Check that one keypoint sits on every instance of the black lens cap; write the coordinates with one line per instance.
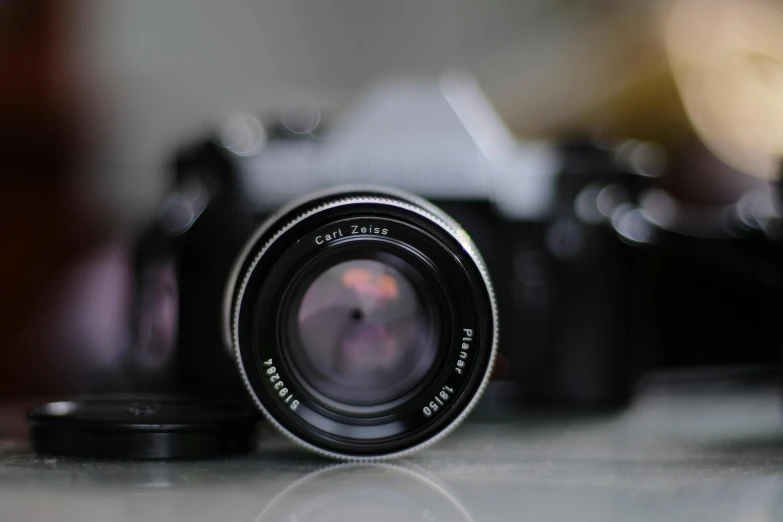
(142, 429)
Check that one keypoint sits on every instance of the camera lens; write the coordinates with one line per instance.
(363, 335)
(362, 321)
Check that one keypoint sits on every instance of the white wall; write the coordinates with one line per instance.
(159, 71)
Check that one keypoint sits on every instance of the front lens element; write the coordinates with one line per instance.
(364, 337)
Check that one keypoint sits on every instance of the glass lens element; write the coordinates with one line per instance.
(365, 337)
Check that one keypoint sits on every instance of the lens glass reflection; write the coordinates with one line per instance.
(364, 335)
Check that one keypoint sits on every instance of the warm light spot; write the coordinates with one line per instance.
(369, 283)
(727, 59)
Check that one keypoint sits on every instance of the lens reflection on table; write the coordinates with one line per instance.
(373, 492)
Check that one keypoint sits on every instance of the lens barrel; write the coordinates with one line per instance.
(363, 322)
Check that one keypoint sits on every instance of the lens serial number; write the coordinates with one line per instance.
(277, 385)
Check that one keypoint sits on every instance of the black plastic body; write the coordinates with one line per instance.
(557, 354)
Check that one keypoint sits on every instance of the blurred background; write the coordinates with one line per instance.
(678, 104)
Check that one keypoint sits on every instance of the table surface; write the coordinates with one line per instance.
(706, 454)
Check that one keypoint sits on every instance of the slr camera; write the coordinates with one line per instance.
(362, 319)
(537, 212)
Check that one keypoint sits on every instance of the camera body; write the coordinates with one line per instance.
(310, 273)
(599, 275)
(539, 213)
